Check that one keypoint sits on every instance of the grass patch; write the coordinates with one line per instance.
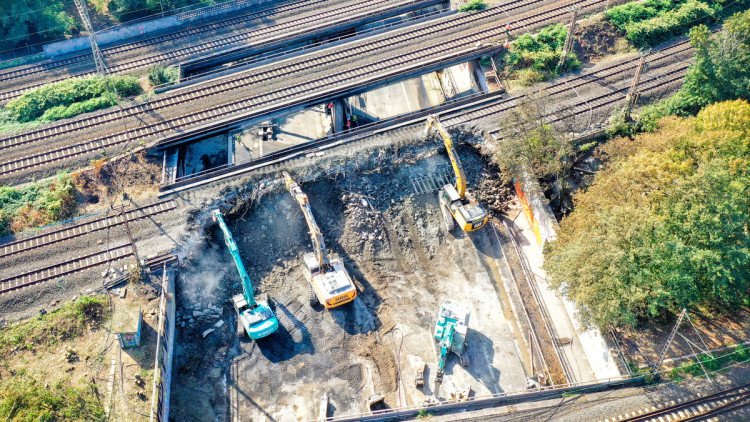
(36, 205)
(10, 124)
(534, 58)
(160, 74)
(738, 354)
(655, 21)
(67, 322)
(67, 98)
(23, 398)
(473, 6)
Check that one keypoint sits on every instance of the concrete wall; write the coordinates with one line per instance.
(125, 31)
(537, 210)
(164, 349)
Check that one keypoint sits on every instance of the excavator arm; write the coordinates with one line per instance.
(247, 286)
(434, 121)
(319, 244)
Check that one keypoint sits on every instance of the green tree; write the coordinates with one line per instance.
(531, 146)
(32, 21)
(665, 225)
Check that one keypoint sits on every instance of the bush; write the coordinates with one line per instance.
(35, 205)
(670, 24)
(34, 103)
(160, 74)
(625, 14)
(535, 58)
(473, 6)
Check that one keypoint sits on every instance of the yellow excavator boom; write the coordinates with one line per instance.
(319, 244)
(434, 121)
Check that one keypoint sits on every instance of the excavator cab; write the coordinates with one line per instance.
(469, 215)
(258, 321)
(330, 286)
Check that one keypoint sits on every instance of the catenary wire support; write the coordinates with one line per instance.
(663, 353)
(632, 96)
(101, 68)
(569, 39)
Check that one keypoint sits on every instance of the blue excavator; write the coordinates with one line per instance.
(450, 336)
(254, 317)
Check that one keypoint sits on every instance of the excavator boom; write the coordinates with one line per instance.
(256, 318)
(319, 244)
(247, 286)
(434, 121)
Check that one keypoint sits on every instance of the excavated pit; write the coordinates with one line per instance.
(386, 225)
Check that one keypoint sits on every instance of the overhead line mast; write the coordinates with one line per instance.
(101, 68)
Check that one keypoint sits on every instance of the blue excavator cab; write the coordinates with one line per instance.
(254, 317)
(450, 335)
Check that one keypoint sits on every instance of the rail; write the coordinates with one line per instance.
(549, 326)
(493, 400)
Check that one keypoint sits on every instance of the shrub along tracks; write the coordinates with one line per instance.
(264, 90)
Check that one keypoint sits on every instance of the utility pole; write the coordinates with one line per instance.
(632, 96)
(568, 39)
(98, 58)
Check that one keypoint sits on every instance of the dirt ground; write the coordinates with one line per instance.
(405, 264)
(641, 345)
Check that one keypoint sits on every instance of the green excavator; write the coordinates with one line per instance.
(450, 336)
(254, 317)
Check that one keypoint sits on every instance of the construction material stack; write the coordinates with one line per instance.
(253, 317)
(457, 205)
(450, 336)
(329, 282)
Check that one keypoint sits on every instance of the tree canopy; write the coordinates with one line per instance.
(664, 225)
(32, 21)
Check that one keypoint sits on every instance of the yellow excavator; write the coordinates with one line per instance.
(457, 205)
(329, 282)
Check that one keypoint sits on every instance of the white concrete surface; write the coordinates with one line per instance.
(299, 127)
(587, 353)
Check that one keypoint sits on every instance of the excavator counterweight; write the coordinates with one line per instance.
(253, 317)
(329, 282)
(458, 205)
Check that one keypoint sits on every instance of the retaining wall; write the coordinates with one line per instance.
(164, 349)
(125, 31)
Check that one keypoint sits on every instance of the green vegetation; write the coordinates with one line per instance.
(670, 24)
(36, 205)
(665, 225)
(718, 74)
(535, 58)
(70, 97)
(32, 21)
(126, 10)
(22, 398)
(473, 6)
(67, 322)
(739, 354)
(655, 21)
(160, 74)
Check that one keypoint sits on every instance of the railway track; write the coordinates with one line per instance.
(319, 89)
(259, 39)
(61, 269)
(262, 75)
(462, 114)
(697, 409)
(84, 228)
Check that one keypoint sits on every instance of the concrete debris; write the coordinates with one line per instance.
(219, 324)
(207, 332)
